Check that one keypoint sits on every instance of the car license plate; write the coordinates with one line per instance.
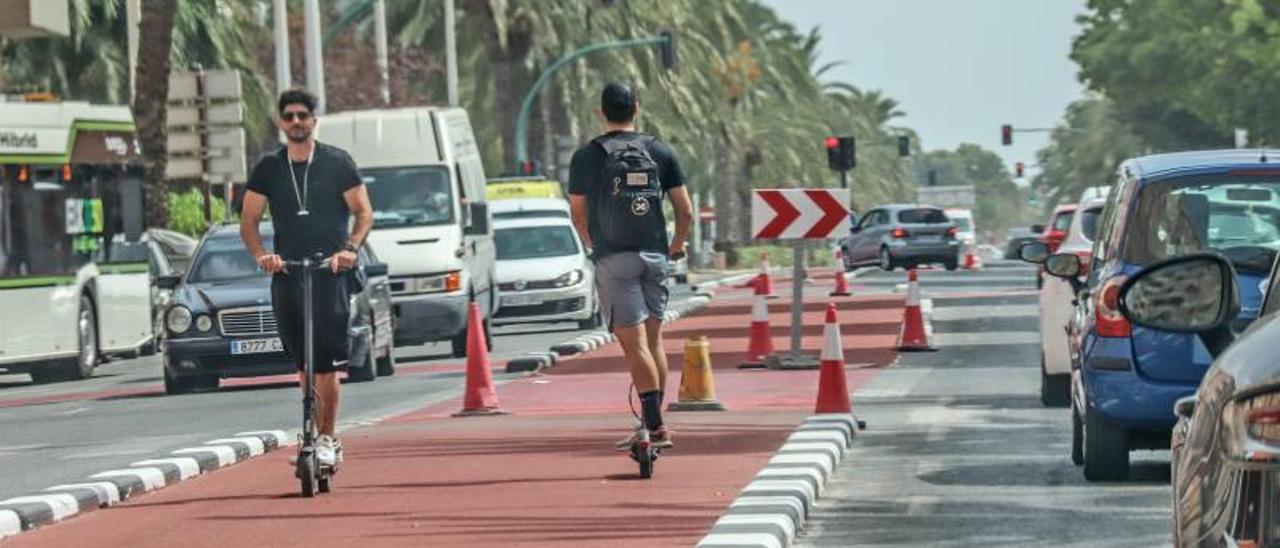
(256, 346)
(521, 300)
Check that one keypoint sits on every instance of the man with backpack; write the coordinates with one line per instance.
(616, 185)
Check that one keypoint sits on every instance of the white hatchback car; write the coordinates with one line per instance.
(1057, 302)
(965, 231)
(543, 273)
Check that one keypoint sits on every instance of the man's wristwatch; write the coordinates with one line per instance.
(349, 247)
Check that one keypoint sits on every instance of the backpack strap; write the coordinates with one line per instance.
(611, 143)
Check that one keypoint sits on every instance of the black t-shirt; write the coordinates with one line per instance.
(587, 174)
(325, 228)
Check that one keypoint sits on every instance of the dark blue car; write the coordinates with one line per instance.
(1125, 378)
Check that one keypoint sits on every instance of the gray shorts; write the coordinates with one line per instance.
(632, 287)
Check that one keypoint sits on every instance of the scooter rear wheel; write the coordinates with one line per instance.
(645, 458)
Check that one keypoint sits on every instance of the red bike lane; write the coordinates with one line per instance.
(544, 475)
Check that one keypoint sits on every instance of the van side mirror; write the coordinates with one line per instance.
(1063, 265)
(1189, 294)
(478, 221)
(1037, 229)
(376, 269)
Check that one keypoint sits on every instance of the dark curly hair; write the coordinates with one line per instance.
(296, 96)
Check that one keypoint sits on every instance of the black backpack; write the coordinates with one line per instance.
(629, 210)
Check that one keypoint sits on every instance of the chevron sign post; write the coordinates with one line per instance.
(798, 215)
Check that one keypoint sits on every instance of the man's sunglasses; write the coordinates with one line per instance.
(300, 116)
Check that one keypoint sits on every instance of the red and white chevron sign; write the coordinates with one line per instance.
(795, 214)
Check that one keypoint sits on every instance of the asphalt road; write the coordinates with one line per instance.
(63, 432)
(958, 450)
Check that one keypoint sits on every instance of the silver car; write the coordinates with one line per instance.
(902, 235)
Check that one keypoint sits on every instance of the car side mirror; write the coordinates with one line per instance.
(1033, 252)
(1189, 294)
(376, 269)
(1063, 265)
(1185, 406)
(1037, 229)
(168, 282)
(478, 223)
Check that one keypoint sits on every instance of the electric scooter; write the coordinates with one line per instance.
(312, 475)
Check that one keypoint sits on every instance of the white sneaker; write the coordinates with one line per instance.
(325, 453)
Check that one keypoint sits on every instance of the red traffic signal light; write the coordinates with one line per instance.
(1006, 134)
(842, 153)
(1018, 169)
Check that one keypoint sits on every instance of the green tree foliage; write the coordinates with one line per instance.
(747, 107)
(999, 204)
(1184, 73)
(92, 63)
(1084, 152)
(186, 212)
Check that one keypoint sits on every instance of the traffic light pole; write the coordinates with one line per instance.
(526, 107)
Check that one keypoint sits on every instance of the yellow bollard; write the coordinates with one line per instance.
(697, 390)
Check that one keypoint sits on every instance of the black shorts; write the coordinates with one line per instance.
(331, 300)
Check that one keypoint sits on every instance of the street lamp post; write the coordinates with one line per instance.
(521, 136)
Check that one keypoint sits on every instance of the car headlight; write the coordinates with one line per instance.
(204, 322)
(573, 277)
(178, 320)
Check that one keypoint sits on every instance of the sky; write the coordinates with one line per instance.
(958, 68)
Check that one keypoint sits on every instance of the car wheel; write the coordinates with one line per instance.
(1077, 438)
(459, 344)
(208, 383)
(174, 385)
(846, 259)
(82, 366)
(886, 260)
(951, 264)
(1055, 390)
(387, 363)
(1106, 449)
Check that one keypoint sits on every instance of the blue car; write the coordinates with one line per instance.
(1126, 378)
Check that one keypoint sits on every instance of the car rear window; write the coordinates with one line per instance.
(1236, 216)
(1063, 221)
(922, 215)
(1089, 222)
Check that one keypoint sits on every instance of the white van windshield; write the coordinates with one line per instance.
(410, 196)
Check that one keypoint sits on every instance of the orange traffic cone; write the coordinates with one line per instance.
(842, 284)
(761, 344)
(763, 280)
(479, 398)
(913, 336)
(971, 261)
(833, 388)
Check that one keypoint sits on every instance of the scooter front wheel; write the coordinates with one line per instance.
(307, 475)
(644, 456)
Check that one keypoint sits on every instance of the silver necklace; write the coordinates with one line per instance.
(306, 176)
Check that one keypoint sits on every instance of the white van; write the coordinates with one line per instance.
(431, 220)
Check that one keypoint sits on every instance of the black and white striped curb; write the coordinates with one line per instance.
(533, 361)
(772, 509)
(112, 486)
(596, 339)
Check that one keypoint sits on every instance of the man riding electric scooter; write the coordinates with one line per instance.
(313, 190)
(616, 186)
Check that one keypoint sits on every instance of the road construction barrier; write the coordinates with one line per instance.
(913, 336)
(697, 387)
(760, 346)
(479, 398)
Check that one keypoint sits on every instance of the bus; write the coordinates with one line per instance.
(74, 289)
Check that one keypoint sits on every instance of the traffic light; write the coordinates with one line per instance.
(1006, 134)
(667, 50)
(842, 154)
(904, 146)
(1018, 169)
